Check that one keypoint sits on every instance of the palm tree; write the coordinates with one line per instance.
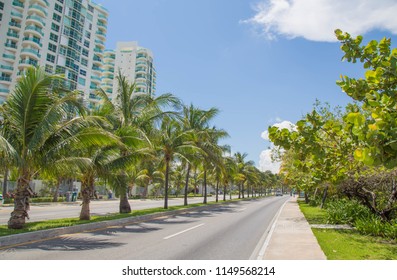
(195, 122)
(35, 126)
(242, 171)
(133, 115)
(171, 142)
(213, 152)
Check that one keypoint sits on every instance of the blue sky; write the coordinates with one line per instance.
(260, 62)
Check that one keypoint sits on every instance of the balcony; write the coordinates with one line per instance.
(13, 35)
(96, 68)
(32, 41)
(27, 62)
(6, 68)
(34, 8)
(14, 25)
(102, 26)
(140, 84)
(16, 14)
(141, 63)
(35, 19)
(34, 53)
(103, 18)
(11, 46)
(18, 4)
(43, 3)
(99, 42)
(98, 51)
(9, 57)
(95, 78)
(4, 90)
(5, 80)
(140, 70)
(101, 35)
(34, 30)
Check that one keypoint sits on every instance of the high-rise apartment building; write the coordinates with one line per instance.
(134, 62)
(64, 36)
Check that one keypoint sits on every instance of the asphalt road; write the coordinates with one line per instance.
(48, 211)
(232, 231)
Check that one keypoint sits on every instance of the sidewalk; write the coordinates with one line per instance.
(291, 237)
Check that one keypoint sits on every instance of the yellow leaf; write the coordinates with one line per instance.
(373, 127)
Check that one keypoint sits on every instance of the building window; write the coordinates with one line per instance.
(55, 27)
(1, 5)
(82, 81)
(86, 43)
(85, 52)
(50, 58)
(84, 61)
(83, 72)
(49, 68)
(60, 1)
(1, 17)
(62, 50)
(54, 37)
(56, 17)
(58, 8)
(91, 8)
(52, 47)
(88, 34)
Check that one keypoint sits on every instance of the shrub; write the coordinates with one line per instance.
(344, 211)
(374, 226)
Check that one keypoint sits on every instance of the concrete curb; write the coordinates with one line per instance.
(21, 238)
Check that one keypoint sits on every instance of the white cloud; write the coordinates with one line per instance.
(265, 158)
(316, 20)
(266, 163)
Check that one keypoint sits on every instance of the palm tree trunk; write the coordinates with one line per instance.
(224, 192)
(242, 190)
(5, 189)
(21, 202)
(56, 193)
(124, 205)
(187, 184)
(248, 191)
(87, 185)
(167, 170)
(217, 190)
(205, 186)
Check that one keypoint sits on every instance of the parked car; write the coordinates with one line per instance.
(279, 193)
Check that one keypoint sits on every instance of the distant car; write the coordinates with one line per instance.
(279, 193)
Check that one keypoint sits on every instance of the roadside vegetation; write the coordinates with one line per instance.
(352, 244)
(344, 159)
(156, 145)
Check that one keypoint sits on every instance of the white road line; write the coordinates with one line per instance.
(241, 209)
(183, 231)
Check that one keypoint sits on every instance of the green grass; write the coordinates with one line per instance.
(347, 244)
(51, 224)
(351, 245)
(314, 215)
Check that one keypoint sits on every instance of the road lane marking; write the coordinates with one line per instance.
(241, 209)
(183, 231)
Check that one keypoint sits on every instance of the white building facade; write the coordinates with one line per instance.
(132, 61)
(64, 36)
